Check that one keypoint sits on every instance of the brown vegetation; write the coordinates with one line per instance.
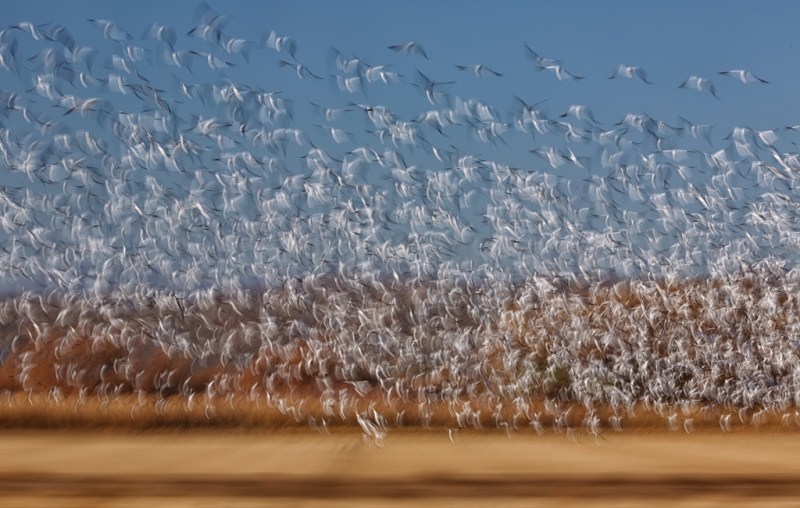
(326, 352)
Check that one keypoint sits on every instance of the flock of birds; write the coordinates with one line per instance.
(167, 230)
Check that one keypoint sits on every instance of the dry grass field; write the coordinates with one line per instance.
(294, 467)
(619, 394)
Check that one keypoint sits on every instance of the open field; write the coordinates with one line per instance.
(151, 402)
(300, 468)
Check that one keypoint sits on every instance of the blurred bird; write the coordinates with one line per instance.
(302, 70)
(744, 76)
(111, 30)
(279, 43)
(479, 70)
(409, 48)
(700, 84)
(624, 71)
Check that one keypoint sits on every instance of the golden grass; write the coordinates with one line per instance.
(126, 412)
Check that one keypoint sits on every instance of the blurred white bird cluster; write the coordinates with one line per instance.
(169, 231)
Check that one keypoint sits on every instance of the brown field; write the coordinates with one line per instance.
(169, 401)
(644, 350)
(297, 467)
(127, 413)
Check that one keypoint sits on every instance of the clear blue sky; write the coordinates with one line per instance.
(671, 41)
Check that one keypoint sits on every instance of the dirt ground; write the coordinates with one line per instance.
(415, 468)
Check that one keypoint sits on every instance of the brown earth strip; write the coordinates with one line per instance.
(300, 467)
(408, 488)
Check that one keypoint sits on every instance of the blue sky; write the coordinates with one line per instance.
(670, 41)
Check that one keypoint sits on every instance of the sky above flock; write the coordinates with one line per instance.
(671, 41)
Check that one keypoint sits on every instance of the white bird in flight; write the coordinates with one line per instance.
(280, 43)
(302, 70)
(478, 70)
(700, 84)
(409, 48)
(744, 76)
(630, 72)
(560, 72)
